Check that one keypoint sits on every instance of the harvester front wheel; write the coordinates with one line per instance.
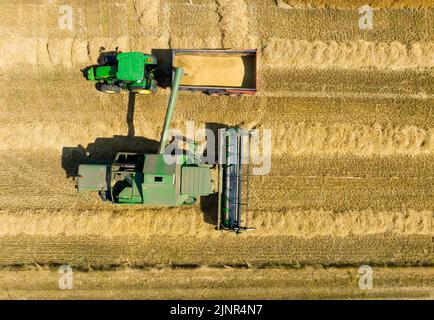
(108, 88)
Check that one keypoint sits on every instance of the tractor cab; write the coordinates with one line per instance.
(132, 71)
(132, 66)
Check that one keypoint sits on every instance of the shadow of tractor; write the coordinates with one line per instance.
(163, 73)
(103, 150)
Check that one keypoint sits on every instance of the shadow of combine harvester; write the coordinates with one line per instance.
(103, 150)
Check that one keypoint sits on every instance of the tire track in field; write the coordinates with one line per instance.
(227, 250)
(217, 283)
(288, 53)
(234, 23)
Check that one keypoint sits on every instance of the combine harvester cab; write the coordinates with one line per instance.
(218, 72)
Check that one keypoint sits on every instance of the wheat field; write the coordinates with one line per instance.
(351, 115)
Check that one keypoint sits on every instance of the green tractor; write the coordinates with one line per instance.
(132, 71)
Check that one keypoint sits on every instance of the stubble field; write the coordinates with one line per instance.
(351, 115)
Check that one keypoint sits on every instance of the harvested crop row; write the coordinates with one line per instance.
(227, 249)
(298, 126)
(357, 54)
(309, 196)
(227, 283)
(234, 22)
(343, 4)
(142, 26)
(290, 139)
(141, 223)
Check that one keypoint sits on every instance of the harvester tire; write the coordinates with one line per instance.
(108, 88)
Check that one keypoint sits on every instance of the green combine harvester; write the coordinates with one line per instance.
(136, 178)
(132, 71)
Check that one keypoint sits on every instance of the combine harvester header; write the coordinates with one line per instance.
(234, 171)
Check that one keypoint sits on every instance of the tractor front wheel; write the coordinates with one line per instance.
(108, 88)
(141, 91)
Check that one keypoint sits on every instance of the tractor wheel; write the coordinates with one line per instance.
(108, 88)
(141, 91)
